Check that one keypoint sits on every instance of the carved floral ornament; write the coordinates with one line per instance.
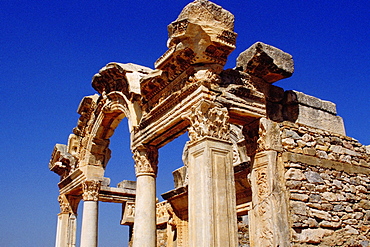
(91, 190)
(64, 204)
(146, 160)
(208, 120)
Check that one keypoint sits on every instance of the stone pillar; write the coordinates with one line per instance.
(212, 205)
(269, 224)
(66, 228)
(89, 230)
(146, 161)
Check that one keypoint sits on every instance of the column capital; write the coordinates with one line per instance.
(146, 160)
(90, 189)
(65, 207)
(208, 119)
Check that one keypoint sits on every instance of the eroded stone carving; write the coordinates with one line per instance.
(208, 119)
(62, 162)
(91, 190)
(277, 139)
(266, 62)
(203, 22)
(179, 228)
(146, 160)
(119, 77)
(64, 204)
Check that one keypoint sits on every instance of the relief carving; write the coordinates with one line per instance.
(162, 214)
(269, 136)
(228, 37)
(128, 216)
(205, 77)
(262, 188)
(217, 54)
(146, 160)
(208, 119)
(262, 207)
(179, 227)
(91, 190)
(64, 204)
(179, 27)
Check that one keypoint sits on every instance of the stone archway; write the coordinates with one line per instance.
(230, 115)
(81, 164)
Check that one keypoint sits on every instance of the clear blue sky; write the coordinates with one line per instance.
(51, 49)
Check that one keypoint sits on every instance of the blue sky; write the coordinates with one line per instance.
(51, 49)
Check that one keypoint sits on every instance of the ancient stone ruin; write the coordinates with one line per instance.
(263, 167)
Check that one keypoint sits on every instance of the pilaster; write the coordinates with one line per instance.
(212, 206)
(66, 228)
(268, 219)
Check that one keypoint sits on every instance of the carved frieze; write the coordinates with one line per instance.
(227, 37)
(179, 27)
(208, 119)
(198, 37)
(217, 53)
(146, 160)
(91, 190)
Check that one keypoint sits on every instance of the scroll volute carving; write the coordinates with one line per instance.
(146, 160)
(208, 120)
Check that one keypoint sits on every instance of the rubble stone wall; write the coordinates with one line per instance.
(328, 182)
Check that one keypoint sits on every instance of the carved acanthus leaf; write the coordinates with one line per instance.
(208, 119)
(91, 190)
(146, 160)
(65, 207)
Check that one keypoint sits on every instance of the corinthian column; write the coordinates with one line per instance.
(89, 230)
(146, 160)
(212, 206)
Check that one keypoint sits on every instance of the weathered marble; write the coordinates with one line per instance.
(263, 167)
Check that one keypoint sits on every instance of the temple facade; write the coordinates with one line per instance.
(263, 166)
